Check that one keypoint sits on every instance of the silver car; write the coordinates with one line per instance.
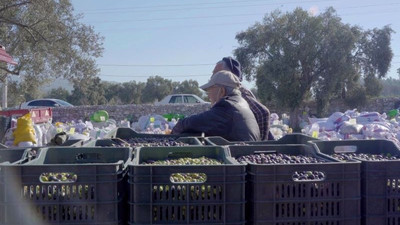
(181, 99)
(46, 102)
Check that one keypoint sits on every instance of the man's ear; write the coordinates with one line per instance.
(223, 91)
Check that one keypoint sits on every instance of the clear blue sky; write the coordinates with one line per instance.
(181, 40)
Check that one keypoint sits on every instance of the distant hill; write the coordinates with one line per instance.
(53, 85)
(59, 83)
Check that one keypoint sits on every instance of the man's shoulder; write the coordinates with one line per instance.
(246, 92)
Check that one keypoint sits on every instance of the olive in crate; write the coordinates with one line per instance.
(308, 176)
(154, 142)
(277, 158)
(186, 177)
(364, 156)
(58, 177)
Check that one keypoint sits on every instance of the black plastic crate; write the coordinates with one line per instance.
(13, 155)
(127, 134)
(73, 143)
(295, 138)
(380, 180)
(86, 186)
(155, 199)
(107, 142)
(274, 197)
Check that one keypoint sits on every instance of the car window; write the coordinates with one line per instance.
(63, 103)
(176, 99)
(41, 103)
(34, 103)
(190, 99)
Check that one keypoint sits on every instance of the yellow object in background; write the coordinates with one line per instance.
(24, 131)
(315, 134)
(58, 124)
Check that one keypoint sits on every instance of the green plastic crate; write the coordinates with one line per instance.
(275, 197)
(155, 199)
(380, 180)
(93, 195)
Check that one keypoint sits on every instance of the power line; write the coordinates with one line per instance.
(171, 5)
(156, 65)
(170, 65)
(177, 18)
(175, 27)
(201, 8)
(133, 76)
(219, 16)
(221, 24)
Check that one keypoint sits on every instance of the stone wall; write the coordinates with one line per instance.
(133, 112)
(130, 112)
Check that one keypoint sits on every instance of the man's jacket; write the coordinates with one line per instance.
(230, 118)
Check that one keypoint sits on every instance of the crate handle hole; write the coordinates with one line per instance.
(88, 156)
(188, 178)
(345, 149)
(303, 176)
(177, 155)
(59, 177)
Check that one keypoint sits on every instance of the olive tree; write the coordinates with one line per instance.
(295, 57)
(47, 40)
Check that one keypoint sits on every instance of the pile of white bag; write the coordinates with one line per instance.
(153, 124)
(78, 130)
(279, 127)
(354, 125)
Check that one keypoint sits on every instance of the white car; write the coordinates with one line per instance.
(46, 102)
(182, 99)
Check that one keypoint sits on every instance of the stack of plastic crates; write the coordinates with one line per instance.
(65, 185)
(380, 180)
(156, 199)
(9, 157)
(275, 197)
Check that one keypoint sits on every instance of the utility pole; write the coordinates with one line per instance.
(4, 96)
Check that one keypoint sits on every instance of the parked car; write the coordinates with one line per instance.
(182, 99)
(46, 102)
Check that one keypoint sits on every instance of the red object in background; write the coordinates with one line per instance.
(5, 57)
(38, 115)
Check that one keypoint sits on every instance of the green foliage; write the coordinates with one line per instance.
(391, 87)
(59, 93)
(188, 87)
(25, 90)
(156, 88)
(295, 56)
(89, 91)
(47, 40)
(372, 86)
(356, 97)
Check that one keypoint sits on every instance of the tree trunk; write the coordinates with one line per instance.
(295, 119)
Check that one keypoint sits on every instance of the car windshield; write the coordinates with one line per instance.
(63, 103)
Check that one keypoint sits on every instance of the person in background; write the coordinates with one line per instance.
(229, 117)
(260, 111)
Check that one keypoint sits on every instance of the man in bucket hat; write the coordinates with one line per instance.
(229, 117)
